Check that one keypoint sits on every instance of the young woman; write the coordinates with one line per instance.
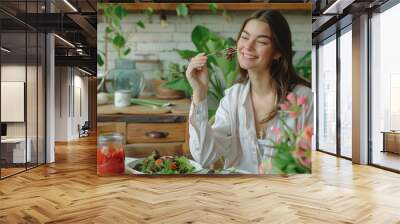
(248, 110)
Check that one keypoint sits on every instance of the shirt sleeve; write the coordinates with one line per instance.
(208, 143)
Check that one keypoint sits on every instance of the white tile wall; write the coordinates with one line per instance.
(160, 41)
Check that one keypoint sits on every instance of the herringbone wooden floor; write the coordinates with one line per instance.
(69, 191)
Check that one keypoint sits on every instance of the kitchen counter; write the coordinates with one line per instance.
(146, 128)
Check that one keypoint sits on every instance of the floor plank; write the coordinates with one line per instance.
(69, 191)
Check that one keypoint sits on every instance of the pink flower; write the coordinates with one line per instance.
(304, 144)
(305, 161)
(302, 100)
(284, 106)
(261, 169)
(299, 153)
(308, 132)
(276, 131)
(291, 97)
(293, 114)
(298, 127)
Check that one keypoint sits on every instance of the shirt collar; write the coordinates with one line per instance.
(245, 92)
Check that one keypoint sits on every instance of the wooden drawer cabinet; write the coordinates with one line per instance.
(139, 150)
(391, 142)
(145, 131)
(150, 132)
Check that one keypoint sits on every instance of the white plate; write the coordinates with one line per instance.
(131, 162)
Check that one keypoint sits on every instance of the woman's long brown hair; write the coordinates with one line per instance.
(283, 75)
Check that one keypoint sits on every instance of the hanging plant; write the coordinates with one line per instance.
(182, 10)
(213, 7)
(113, 14)
(149, 13)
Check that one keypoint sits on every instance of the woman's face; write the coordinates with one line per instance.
(255, 47)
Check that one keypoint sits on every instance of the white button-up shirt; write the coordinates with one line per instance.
(233, 134)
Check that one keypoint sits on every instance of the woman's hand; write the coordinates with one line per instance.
(197, 75)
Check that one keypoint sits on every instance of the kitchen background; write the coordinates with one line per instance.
(159, 41)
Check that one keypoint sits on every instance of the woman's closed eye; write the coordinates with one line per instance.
(263, 42)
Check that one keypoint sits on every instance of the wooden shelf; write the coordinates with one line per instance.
(133, 7)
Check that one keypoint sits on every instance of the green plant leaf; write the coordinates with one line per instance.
(140, 24)
(127, 51)
(211, 113)
(119, 41)
(120, 11)
(100, 60)
(213, 7)
(116, 23)
(303, 66)
(187, 54)
(108, 11)
(149, 11)
(180, 84)
(200, 36)
(182, 10)
(109, 29)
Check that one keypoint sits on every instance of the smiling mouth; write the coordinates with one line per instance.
(248, 56)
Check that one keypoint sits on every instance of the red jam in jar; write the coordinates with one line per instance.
(110, 154)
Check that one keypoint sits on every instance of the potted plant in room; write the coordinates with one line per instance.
(222, 70)
(173, 85)
(127, 80)
(303, 66)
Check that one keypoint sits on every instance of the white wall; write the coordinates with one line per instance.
(61, 103)
(67, 114)
(14, 73)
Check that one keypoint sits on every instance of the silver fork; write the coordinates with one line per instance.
(224, 51)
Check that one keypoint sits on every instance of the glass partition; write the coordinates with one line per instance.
(385, 89)
(327, 96)
(22, 94)
(13, 103)
(346, 93)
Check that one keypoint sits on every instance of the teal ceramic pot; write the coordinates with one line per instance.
(127, 77)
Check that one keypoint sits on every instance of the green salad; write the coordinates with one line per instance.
(156, 164)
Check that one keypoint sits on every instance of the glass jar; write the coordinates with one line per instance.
(110, 154)
(127, 77)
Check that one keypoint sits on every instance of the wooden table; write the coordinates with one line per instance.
(146, 128)
(391, 141)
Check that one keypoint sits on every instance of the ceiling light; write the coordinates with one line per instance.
(70, 5)
(5, 50)
(65, 41)
(84, 71)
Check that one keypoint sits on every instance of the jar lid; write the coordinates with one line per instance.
(113, 136)
(125, 91)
